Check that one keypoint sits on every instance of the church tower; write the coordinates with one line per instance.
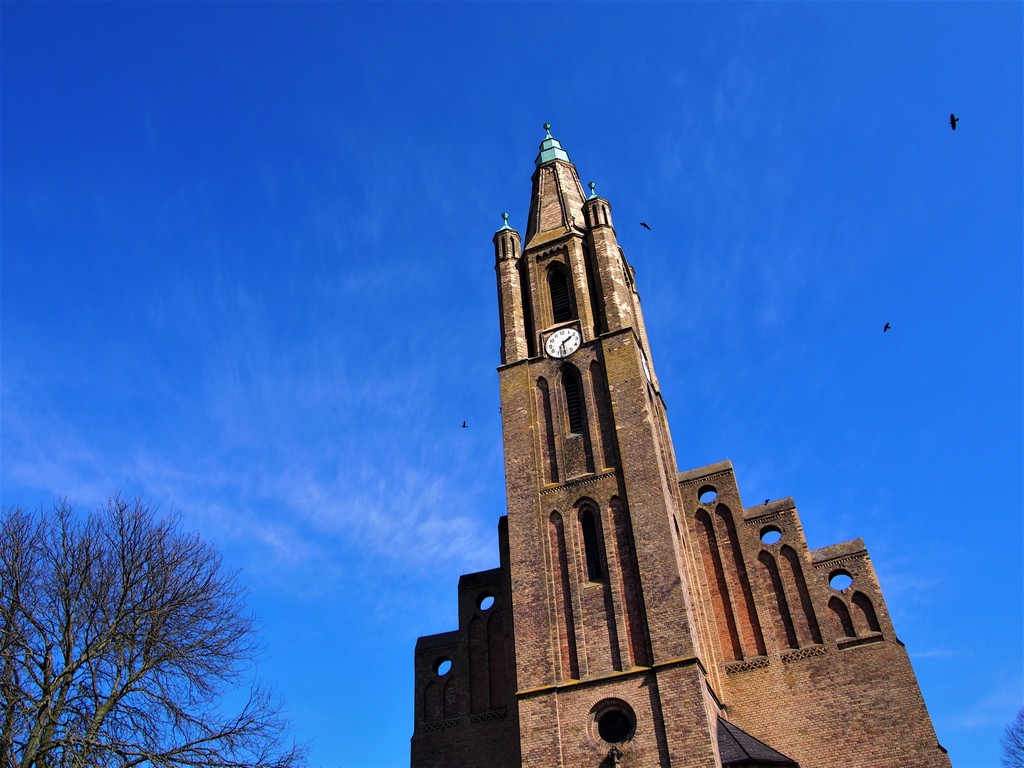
(639, 616)
(592, 498)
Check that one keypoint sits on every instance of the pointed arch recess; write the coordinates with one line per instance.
(592, 532)
(728, 637)
(866, 612)
(573, 401)
(563, 308)
(524, 297)
(451, 698)
(478, 685)
(784, 629)
(609, 454)
(432, 702)
(547, 446)
(567, 663)
(749, 625)
(843, 622)
(576, 418)
(591, 545)
(631, 598)
(497, 670)
(807, 622)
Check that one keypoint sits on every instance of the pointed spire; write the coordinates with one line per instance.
(550, 149)
(556, 205)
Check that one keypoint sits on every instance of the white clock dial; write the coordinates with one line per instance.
(562, 342)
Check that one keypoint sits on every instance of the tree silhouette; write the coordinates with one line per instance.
(119, 637)
(1013, 742)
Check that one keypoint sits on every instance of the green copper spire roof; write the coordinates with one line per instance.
(550, 149)
(505, 225)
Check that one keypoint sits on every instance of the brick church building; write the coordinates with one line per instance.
(643, 616)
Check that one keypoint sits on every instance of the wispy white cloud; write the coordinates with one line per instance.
(937, 653)
(992, 709)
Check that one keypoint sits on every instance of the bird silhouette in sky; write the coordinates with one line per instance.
(953, 120)
(886, 328)
(645, 225)
(464, 425)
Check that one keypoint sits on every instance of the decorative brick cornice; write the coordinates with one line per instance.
(840, 560)
(769, 518)
(803, 653)
(734, 667)
(486, 717)
(561, 250)
(440, 725)
(577, 482)
(706, 478)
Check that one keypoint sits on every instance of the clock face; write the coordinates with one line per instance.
(562, 342)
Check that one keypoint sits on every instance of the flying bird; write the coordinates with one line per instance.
(886, 328)
(766, 501)
(953, 120)
(464, 425)
(645, 225)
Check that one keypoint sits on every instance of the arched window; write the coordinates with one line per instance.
(867, 611)
(561, 301)
(590, 545)
(842, 616)
(573, 401)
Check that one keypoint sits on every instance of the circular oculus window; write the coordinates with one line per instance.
(707, 494)
(614, 721)
(615, 726)
(840, 580)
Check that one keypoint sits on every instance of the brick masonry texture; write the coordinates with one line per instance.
(635, 606)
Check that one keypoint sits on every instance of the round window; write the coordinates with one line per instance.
(840, 580)
(707, 494)
(614, 726)
(613, 720)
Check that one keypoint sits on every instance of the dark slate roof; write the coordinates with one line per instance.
(739, 748)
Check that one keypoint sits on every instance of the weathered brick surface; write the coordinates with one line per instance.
(833, 700)
(623, 587)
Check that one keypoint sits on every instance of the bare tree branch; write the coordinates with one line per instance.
(119, 636)
(1013, 742)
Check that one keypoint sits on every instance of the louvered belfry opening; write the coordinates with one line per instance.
(590, 545)
(561, 302)
(573, 403)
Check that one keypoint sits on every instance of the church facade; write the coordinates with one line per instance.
(643, 616)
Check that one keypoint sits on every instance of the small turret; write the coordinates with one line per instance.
(507, 251)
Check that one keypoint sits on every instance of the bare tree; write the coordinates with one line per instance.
(1013, 742)
(120, 636)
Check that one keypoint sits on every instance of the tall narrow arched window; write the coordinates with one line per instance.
(573, 401)
(842, 617)
(867, 611)
(561, 300)
(590, 545)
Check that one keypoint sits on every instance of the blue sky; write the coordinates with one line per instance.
(247, 274)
